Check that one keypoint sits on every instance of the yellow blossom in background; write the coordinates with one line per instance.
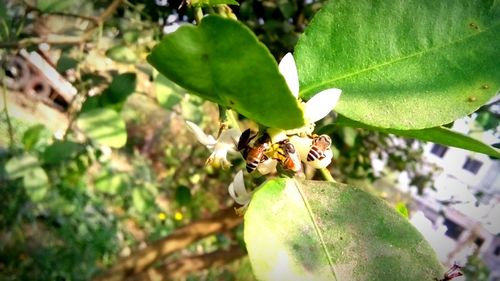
(178, 216)
(162, 216)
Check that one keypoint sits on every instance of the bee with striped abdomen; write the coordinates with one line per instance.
(253, 154)
(288, 156)
(320, 144)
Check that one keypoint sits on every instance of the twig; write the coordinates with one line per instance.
(221, 221)
(183, 267)
(65, 40)
(326, 175)
(6, 110)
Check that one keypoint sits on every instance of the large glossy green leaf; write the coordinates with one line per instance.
(103, 126)
(439, 135)
(403, 64)
(221, 60)
(310, 230)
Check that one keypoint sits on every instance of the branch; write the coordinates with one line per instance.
(183, 267)
(139, 261)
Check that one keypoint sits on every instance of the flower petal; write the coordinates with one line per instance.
(238, 191)
(321, 104)
(205, 139)
(230, 137)
(268, 166)
(288, 69)
(302, 146)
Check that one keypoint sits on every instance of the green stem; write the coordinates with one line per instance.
(6, 110)
(198, 15)
(326, 175)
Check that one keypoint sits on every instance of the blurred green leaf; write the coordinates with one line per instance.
(402, 209)
(167, 92)
(141, 199)
(239, 73)
(115, 95)
(103, 126)
(66, 63)
(183, 195)
(35, 135)
(131, 36)
(36, 183)
(487, 120)
(5, 21)
(121, 53)
(439, 135)
(403, 64)
(311, 230)
(122, 86)
(211, 3)
(20, 165)
(61, 151)
(287, 8)
(111, 183)
(50, 6)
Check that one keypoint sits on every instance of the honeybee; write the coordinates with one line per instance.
(320, 144)
(288, 156)
(254, 155)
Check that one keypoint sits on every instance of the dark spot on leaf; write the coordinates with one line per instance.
(472, 99)
(341, 238)
(231, 102)
(485, 87)
(473, 26)
(204, 57)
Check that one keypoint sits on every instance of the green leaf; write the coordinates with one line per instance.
(115, 95)
(403, 64)
(36, 183)
(167, 92)
(131, 36)
(5, 21)
(51, 6)
(310, 230)
(122, 86)
(34, 136)
(111, 183)
(439, 135)
(66, 63)
(103, 126)
(61, 151)
(18, 166)
(211, 3)
(141, 199)
(487, 120)
(221, 60)
(183, 195)
(121, 53)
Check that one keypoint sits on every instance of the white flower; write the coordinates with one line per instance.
(315, 108)
(238, 191)
(220, 147)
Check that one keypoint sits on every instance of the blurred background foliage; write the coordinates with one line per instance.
(72, 205)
